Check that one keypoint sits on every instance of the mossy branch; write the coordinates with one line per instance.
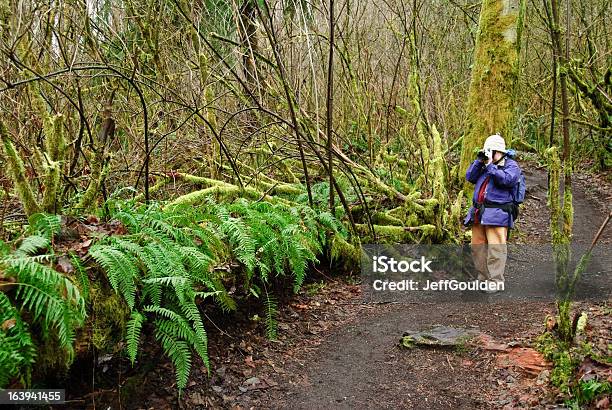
(55, 146)
(18, 173)
(365, 175)
(100, 164)
(342, 250)
(98, 172)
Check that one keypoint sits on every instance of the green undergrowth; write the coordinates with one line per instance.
(38, 305)
(166, 263)
(566, 359)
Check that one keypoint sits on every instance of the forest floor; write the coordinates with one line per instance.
(336, 351)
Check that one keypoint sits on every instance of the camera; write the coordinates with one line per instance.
(481, 155)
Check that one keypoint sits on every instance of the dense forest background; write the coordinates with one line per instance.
(158, 154)
(137, 93)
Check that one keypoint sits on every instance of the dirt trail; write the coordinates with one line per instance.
(360, 365)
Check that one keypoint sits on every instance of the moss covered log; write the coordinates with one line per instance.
(217, 189)
(400, 234)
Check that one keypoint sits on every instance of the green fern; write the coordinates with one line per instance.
(161, 267)
(45, 225)
(17, 351)
(81, 276)
(31, 245)
(54, 303)
(49, 296)
(121, 269)
(286, 238)
(271, 307)
(239, 237)
(177, 337)
(166, 263)
(134, 327)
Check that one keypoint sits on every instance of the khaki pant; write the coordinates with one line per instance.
(489, 251)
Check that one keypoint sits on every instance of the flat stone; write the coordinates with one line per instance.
(438, 336)
(252, 380)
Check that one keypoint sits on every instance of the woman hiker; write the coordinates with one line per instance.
(494, 209)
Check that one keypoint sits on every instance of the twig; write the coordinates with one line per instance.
(5, 202)
(449, 363)
(265, 194)
(219, 329)
(600, 231)
(323, 274)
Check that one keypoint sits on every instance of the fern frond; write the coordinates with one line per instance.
(122, 270)
(134, 327)
(129, 246)
(17, 351)
(81, 274)
(198, 339)
(178, 326)
(199, 264)
(45, 225)
(152, 292)
(32, 245)
(51, 297)
(174, 281)
(167, 261)
(271, 307)
(179, 353)
(129, 220)
(167, 332)
(164, 228)
(239, 237)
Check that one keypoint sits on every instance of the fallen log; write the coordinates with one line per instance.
(397, 233)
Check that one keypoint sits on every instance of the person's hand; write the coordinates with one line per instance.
(481, 156)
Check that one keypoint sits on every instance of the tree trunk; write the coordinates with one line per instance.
(330, 105)
(562, 237)
(494, 75)
(247, 30)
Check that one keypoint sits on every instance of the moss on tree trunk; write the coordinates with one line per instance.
(18, 173)
(494, 75)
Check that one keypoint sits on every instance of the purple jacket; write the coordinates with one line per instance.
(499, 190)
